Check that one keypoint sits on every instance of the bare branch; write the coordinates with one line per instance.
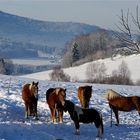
(126, 34)
(136, 20)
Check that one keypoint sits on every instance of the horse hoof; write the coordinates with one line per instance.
(54, 122)
(77, 133)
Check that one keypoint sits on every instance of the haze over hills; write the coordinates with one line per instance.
(24, 37)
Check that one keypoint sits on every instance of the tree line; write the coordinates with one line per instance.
(89, 47)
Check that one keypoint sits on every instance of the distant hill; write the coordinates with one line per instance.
(19, 35)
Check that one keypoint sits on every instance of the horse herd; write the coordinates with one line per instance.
(56, 100)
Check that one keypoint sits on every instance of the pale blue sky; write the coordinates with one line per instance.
(102, 13)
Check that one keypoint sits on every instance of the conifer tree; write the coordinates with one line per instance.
(75, 53)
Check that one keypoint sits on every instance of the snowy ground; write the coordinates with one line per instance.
(13, 126)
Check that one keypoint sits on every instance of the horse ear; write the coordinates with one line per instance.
(37, 83)
(33, 83)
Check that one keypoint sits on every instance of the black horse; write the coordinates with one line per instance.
(79, 114)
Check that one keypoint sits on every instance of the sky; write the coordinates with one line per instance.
(103, 13)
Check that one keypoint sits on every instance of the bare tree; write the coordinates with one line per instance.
(127, 32)
(96, 72)
(124, 70)
(121, 76)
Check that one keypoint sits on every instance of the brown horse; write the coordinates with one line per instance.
(30, 97)
(55, 98)
(118, 102)
(84, 94)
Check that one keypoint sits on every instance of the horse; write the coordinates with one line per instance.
(84, 94)
(83, 115)
(55, 98)
(118, 102)
(30, 97)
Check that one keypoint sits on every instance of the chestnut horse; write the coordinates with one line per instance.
(83, 115)
(84, 94)
(30, 97)
(55, 98)
(118, 102)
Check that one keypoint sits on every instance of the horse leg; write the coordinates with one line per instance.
(116, 115)
(100, 131)
(99, 125)
(35, 110)
(30, 110)
(110, 115)
(77, 126)
(53, 115)
(60, 114)
(111, 118)
(26, 110)
(138, 109)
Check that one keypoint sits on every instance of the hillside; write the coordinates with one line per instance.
(29, 35)
(78, 73)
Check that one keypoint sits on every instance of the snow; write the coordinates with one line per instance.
(33, 62)
(78, 73)
(13, 125)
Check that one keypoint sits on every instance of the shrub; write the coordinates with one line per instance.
(59, 75)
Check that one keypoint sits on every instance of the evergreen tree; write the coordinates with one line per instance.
(75, 53)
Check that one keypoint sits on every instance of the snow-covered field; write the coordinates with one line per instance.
(13, 126)
(78, 73)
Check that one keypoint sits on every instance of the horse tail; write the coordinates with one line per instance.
(111, 94)
(102, 127)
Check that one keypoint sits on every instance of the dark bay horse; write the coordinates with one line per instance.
(55, 98)
(84, 94)
(79, 114)
(30, 97)
(118, 102)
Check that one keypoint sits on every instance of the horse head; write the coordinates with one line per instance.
(34, 89)
(68, 106)
(61, 93)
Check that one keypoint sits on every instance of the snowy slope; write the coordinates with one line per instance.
(13, 126)
(78, 73)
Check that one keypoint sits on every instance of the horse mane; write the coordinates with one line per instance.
(30, 86)
(57, 91)
(111, 94)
